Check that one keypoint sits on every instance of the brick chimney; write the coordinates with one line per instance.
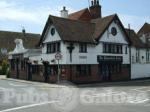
(95, 9)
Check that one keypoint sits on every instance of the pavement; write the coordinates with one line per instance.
(25, 96)
(2, 76)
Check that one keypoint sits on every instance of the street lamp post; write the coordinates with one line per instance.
(58, 77)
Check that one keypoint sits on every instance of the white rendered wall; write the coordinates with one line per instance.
(119, 38)
(139, 69)
(49, 37)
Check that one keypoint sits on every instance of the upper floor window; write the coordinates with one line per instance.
(113, 31)
(83, 48)
(53, 31)
(133, 60)
(147, 56)
(112, 48)
(137, 55)
(126, 50)
(53, 47)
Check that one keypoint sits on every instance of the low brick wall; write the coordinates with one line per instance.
(72, 75)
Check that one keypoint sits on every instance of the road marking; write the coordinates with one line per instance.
(1, 88)
(139, 88)
(17, 85)
(28, 106)
(143, 91)
(138, 101)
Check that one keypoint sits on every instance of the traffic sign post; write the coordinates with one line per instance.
(58, 57)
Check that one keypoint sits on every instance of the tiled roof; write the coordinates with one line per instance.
(145, 29)
(71, 30)
(101, 25)
(80, 31)
(135, 40)
(83, 14)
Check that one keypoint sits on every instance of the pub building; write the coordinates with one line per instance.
(93, 48)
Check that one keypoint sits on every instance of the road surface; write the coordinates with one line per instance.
(23, 96)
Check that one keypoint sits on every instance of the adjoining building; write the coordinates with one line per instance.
(19, 60)
(93, 49)
(140, 52)
(7, 41)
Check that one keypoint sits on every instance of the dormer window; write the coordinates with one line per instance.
(83, 48)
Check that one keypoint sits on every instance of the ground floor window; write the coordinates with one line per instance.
(23, 64)
(53, 70)
(110, 68)
(83, 70)
(35, 69)
(12, 64)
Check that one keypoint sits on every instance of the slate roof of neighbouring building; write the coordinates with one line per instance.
(134, 38)
(7, 39)
(145, 29)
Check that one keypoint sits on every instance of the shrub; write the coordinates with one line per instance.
(4, 68)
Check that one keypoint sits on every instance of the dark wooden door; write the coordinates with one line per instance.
(106, 72)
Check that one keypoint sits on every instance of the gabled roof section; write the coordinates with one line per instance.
(135, 40)
(145, 29)
(71, 30)
(102, 24)
(83, 15)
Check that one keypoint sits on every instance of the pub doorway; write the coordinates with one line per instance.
(109, 65)
(105, 72)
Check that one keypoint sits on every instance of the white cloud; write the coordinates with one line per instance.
(37, 15)
(11, 11)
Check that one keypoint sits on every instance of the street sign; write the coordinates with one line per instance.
(58, 56)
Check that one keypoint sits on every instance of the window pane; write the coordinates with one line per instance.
(83, 48)
(53, 47)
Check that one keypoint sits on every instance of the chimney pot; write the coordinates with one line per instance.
(64, 8)
(64, 13)
(97, 2)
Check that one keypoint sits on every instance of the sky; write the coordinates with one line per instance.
(32, 14)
